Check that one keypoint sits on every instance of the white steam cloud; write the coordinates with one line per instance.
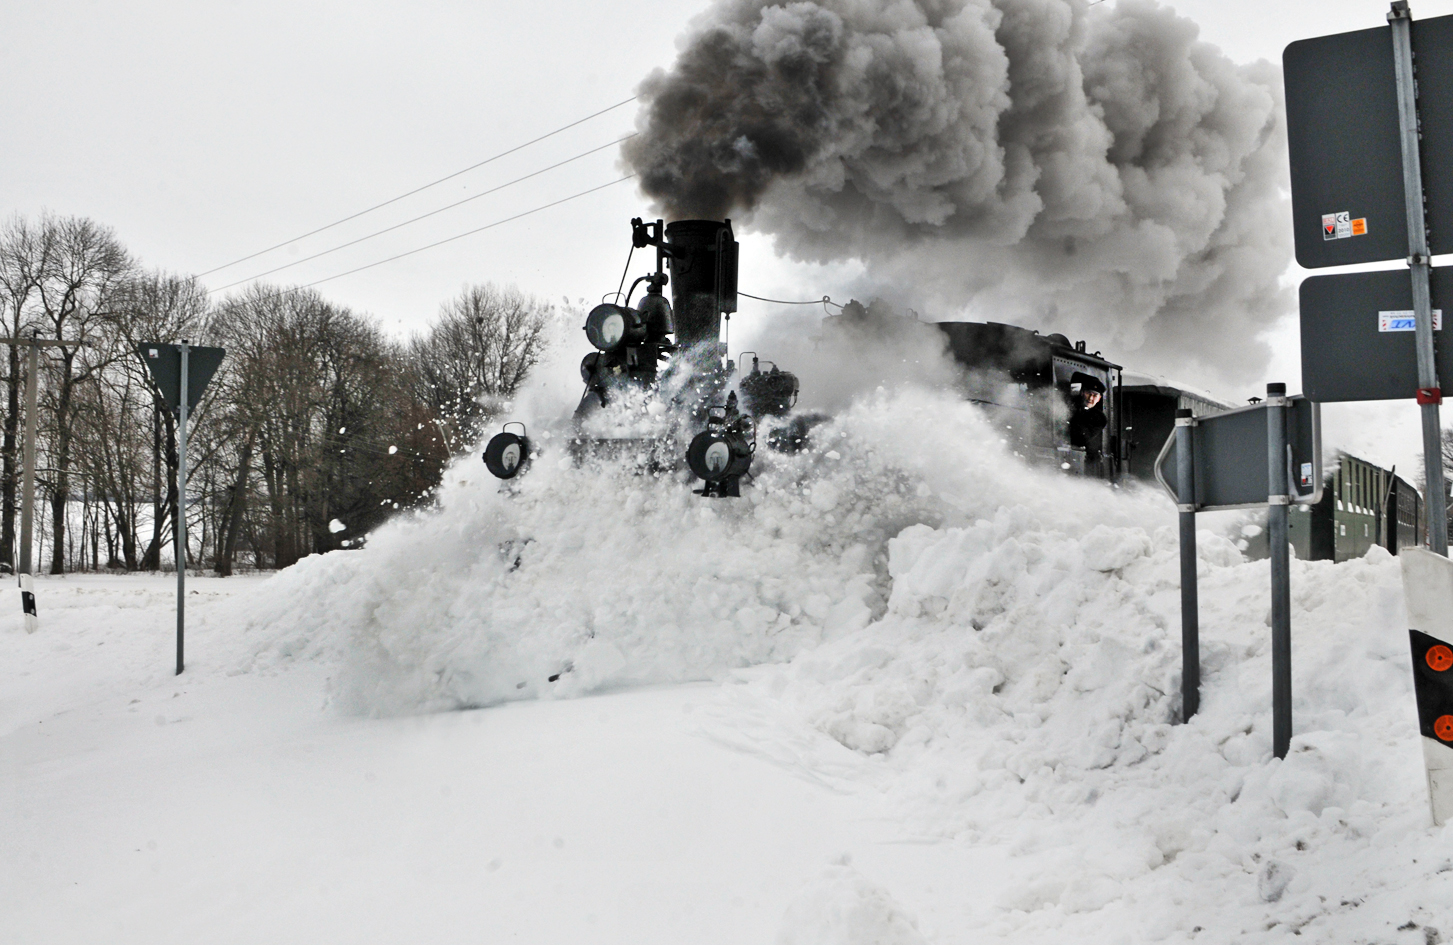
(1100, 172)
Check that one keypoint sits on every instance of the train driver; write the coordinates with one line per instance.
(1087, 414)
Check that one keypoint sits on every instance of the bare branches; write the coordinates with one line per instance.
(475, 357)
(316, 429)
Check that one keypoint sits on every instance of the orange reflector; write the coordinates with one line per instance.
(1443, 727)
(1440, 658)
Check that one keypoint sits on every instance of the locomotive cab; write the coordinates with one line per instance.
(1026, 381)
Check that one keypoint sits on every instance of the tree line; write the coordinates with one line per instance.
(317, 427)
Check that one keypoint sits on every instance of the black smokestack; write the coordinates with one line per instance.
(1098, 171)
(703, 278)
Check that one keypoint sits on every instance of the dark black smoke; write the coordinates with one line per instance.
(1096, 171)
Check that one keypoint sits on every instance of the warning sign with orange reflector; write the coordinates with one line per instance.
(1428, 590)
(1433, 686)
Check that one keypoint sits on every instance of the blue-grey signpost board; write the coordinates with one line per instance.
(1348, 196)
(164, 363)
(1358, 338)
(1367, 111)
(1230, 468)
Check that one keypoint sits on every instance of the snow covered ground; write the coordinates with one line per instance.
(906, 691)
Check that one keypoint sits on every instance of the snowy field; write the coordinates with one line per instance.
(891, 696)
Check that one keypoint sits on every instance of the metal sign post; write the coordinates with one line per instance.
(1278, 502)
(1268, 455)
(177, 368)
(181, 532)
(1190, 599)
(1429, 393)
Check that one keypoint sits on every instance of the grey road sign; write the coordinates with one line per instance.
(1230, 452)
(1348, 202)
(165, 363)
(176, 368)
(1357, 335)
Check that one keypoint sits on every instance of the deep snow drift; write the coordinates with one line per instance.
(624, 577)
(996, 647)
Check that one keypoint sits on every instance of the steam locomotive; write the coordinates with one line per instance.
(659, 377)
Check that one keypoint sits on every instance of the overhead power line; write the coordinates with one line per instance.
(422, 216)
(459, 236)
(416, 190)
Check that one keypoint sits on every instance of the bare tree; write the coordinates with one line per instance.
(26, 252)
(86, 268)
(486, 341)
(326, 428)
(317, 428)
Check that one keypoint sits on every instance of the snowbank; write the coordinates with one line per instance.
(605, 576)
(1022, 692)
(990, 652)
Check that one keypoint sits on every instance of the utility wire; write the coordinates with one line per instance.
(487, 226)
(416, 190)
(388, 229)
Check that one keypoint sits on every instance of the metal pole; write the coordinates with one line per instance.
(1278, 504)
(1190, 603)
(27, 493)
(1429, 395)
(181, 530)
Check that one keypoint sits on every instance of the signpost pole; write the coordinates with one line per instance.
(1429, 395)
(181, 530)
(1278, 505)
(1190, 604)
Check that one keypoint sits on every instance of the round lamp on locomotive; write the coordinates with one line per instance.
(609, 327)
(722, 453)
(507, 453)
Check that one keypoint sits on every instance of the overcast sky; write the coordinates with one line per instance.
(204, 132)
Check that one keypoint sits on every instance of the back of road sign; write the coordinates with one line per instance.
(164, 361)
(1345, 148)
(1230, 454)
(1357, 335)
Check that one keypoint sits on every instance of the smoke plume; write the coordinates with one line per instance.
(1100, 172)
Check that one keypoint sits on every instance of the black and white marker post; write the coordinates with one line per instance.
(1428, 586)
(27, 476)
(1278, 502)
(1190, 602)
(1429, 395)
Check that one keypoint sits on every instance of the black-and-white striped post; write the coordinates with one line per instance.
(24, 567)
(1428, 588)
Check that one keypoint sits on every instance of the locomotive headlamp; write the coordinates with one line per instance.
(507, 453)
(722, 452)
(610, 326)
(716, 456)
(588, 366)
